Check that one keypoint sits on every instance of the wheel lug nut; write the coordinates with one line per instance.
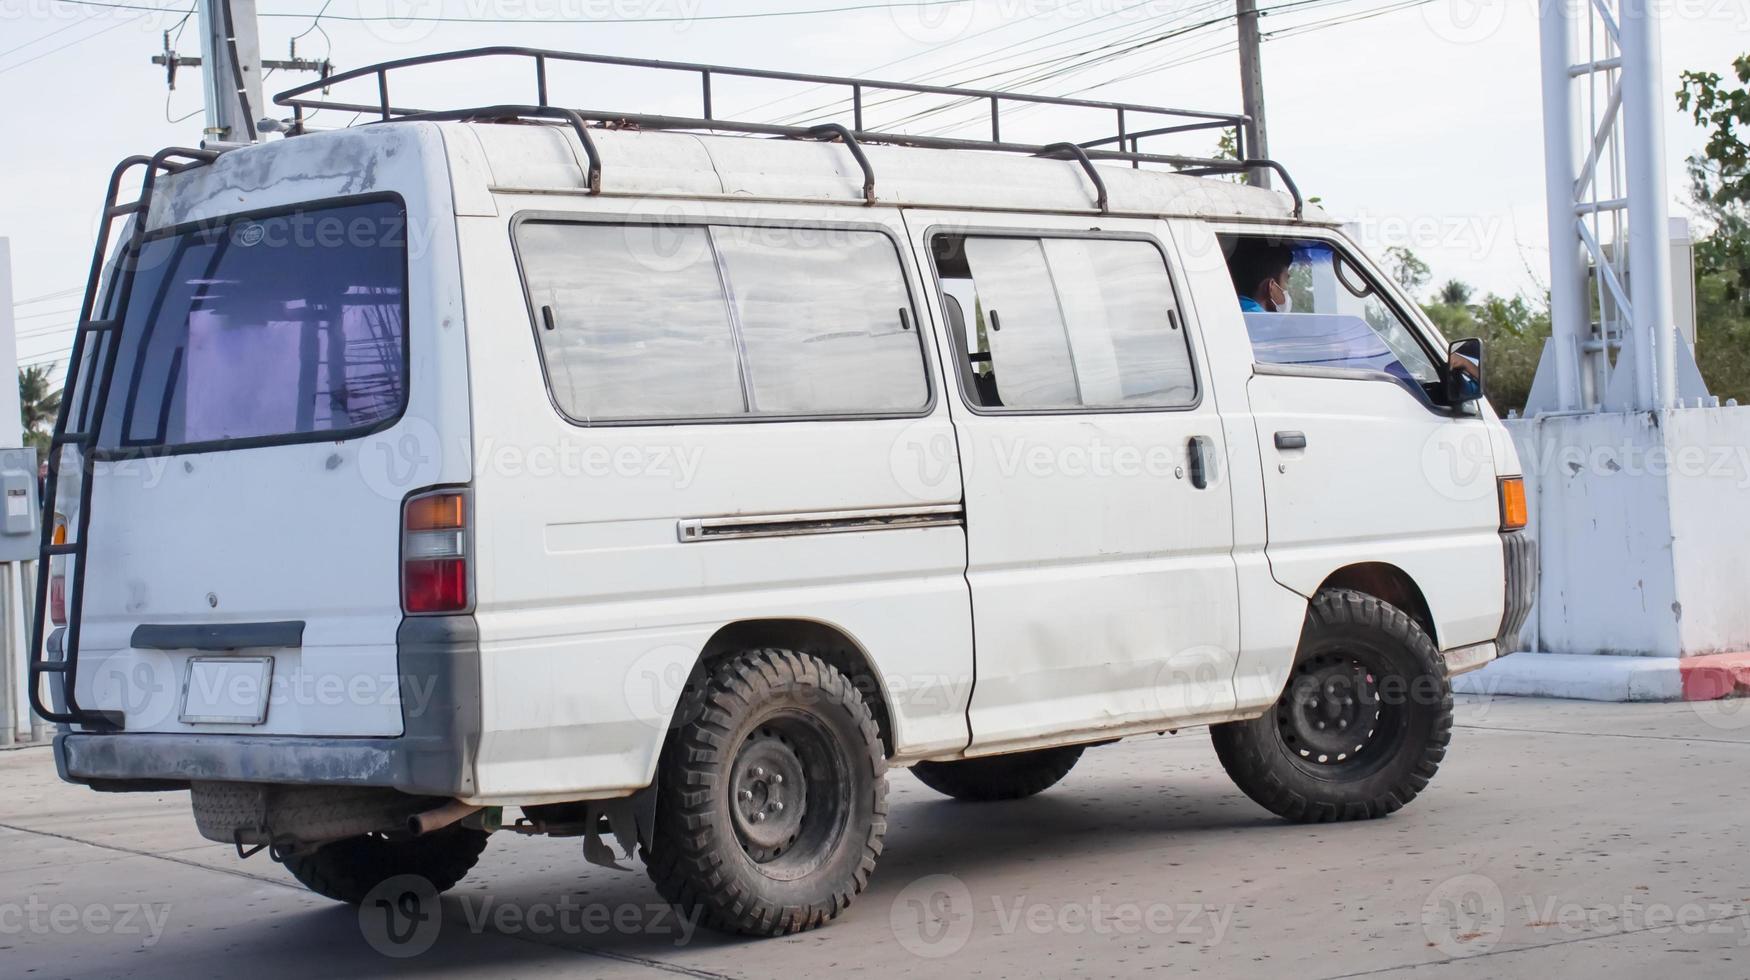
(1321, 726)
(758, 817)
(759, 773)
(1314, 703)
(777, 806)
(745, 795)
(777, 779)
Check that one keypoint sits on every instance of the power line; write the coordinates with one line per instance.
(442, 19)
(44, 37)
(1178, 58)
(57, 294)
(81, 40)
(996, 54)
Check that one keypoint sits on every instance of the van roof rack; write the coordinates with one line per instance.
(1123, 143)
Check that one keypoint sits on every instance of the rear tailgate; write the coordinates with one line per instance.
(280, 386)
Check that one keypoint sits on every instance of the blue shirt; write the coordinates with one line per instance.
(1250, 305)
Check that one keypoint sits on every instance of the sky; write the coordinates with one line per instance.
(1418, 121)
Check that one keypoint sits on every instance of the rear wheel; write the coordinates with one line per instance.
(1361, 726)
(999, 777)
(348, 870)
(773, 797)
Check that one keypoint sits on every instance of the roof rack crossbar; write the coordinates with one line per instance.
(1124, 146)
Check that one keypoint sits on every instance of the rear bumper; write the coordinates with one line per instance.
(434, 756)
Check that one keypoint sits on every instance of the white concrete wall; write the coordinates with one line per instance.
(1710, 522)
(1643, 521)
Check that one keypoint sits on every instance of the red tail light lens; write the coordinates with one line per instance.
(434, 553)
(435, 585)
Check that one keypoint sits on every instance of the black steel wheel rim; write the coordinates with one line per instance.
(789, 794)
(1333, 720)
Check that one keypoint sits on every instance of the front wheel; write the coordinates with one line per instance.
(1361, 725)
(773, 797)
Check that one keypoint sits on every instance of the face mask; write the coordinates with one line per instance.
(1279, 298)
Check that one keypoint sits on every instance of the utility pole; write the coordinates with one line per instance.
(14, 669)
(1252, 89)
(231, 69)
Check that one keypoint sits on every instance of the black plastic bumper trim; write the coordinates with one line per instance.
(218, 636)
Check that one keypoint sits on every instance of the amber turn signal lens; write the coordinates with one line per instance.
(436, 512)
(1514, 514)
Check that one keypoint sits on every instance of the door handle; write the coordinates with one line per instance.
(1290, 440)
(1199, 464)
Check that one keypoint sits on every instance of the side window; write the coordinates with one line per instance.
(825, 319)
(624, 337)
(1307, 305)
(720, 321)
(1063, 323)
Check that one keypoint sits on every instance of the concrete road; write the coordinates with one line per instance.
(1559, 840)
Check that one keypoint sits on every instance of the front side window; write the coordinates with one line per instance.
(285, 327)
(1063, 323)
(644, 322)
(1308, 305)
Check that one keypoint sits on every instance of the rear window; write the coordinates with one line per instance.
(285, 327)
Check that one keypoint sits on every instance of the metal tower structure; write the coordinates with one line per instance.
(1615, 344)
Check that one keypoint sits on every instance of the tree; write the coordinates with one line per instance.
(1513, 332)
(38, 402)
(1719, 179)
(1410, 272)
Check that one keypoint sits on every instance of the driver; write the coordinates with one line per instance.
(1260, 276)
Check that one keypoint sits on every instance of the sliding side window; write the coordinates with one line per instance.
(1063, 323)
(644, 323)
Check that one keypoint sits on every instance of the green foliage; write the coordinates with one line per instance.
(1513, 332)
(1410, 272)
(1720, 109)
(38, 401)
(1720, 189)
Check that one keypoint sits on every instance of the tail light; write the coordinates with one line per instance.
(434, 552)
(58, 575)
(1514, 512)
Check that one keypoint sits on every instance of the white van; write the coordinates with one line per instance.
(567, 473)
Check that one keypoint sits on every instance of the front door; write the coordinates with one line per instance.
(1099, 517)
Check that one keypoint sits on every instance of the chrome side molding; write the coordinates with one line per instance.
(819, 522)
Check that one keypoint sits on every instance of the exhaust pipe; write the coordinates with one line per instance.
(440, 817)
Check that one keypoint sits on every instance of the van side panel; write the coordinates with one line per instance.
(591, 606)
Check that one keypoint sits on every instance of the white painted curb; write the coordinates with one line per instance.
(1584, 677)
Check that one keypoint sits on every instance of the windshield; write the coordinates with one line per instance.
(289, 327)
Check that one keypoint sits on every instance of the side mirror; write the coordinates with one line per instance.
(1464, 372)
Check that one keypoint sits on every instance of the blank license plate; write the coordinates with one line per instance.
(226, 690)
